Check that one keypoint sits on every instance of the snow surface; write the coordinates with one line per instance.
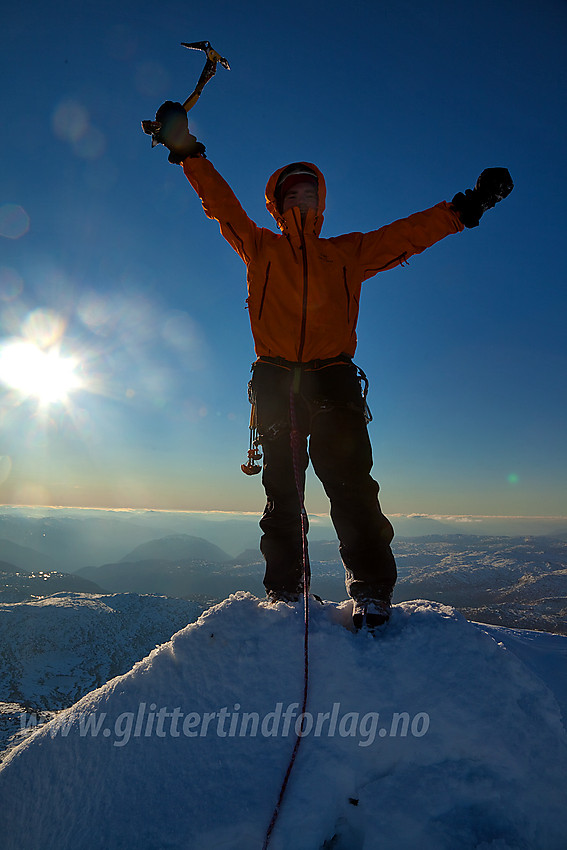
(57, 648)
(482, 765)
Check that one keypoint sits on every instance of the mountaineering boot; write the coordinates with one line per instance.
(370, 613)
(289, 596)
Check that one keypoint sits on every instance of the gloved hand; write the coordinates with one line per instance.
(174, 133)
(493, 185)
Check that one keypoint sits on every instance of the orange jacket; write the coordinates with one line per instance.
(304, 291)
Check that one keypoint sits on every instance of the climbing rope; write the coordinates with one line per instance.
(296, 441)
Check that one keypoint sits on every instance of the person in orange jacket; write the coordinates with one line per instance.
(303, 300)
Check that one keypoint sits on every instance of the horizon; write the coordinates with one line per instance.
(216, 525)
(218, 511)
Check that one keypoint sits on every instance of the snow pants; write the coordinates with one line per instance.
(330, 416)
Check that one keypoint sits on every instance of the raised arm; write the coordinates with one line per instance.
(218, 199)
(393, 244)
(220, 203)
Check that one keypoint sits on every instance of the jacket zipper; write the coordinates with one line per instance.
(264, 291)
(347, 293)
(305, 292)
(400, 259)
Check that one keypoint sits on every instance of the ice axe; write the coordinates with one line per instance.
(152, 128)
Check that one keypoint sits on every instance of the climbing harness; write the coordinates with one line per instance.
(252, 467)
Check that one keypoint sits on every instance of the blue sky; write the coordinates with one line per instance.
(106, 256)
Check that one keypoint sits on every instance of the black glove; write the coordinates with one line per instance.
(174, 133)
(492, 186)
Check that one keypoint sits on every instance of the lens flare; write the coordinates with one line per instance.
(44, 375)
(14, 221)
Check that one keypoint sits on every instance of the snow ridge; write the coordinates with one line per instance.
(432, 735)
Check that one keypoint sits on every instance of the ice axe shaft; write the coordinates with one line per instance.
(152, 128)
(208, 71)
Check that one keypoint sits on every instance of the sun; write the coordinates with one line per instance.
(45, 375)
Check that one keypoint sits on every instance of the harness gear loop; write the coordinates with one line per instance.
(364, 384)
(254, 454)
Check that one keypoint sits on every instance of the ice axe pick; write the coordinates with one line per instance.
(152, 128)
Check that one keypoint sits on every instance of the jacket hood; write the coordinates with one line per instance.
(314, 221)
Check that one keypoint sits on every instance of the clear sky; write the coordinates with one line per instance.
(131, 388)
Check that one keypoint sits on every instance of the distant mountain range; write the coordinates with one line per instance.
(26, 558)
(177, 565)
(69, 542)
(70, 539)
(501, 580)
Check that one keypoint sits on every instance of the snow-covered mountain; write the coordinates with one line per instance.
(502, 580)
(437, 734)
(516, 582)
(55, 650)
(17, 585)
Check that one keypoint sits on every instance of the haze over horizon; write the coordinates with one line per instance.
(238, 530)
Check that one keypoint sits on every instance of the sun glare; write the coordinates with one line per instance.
(34, 373)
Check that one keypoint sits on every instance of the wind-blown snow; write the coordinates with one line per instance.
(482, 765)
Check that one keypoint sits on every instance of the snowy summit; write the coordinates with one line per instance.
(433, 734)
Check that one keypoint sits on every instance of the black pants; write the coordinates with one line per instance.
(329, 410)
